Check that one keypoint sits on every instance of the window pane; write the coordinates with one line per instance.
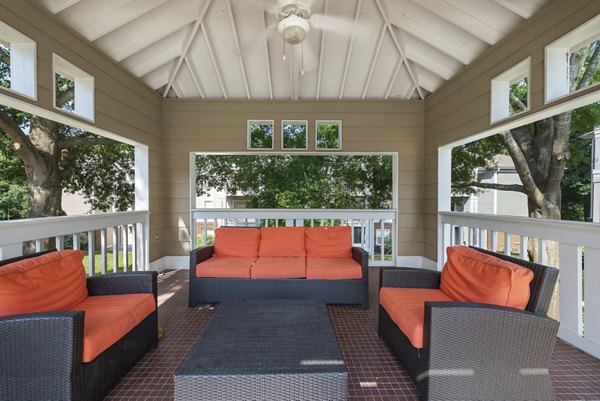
(329, 135)
(294, 135)
(260, 135)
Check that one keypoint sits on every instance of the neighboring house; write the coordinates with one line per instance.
(492, 201)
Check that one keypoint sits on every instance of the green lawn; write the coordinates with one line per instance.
(109, 262)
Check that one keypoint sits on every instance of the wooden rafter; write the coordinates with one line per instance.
(321, 54)
(213, 59)
(374, 60)
(195, 78)
(349, 53)
(187, 45)
(399, 47)
(238, 48)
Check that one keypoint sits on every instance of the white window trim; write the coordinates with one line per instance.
(295, 122)
(260, 122)
(500, 90)
(557, 56)
(84, 87)
(23, 53)
(329, 122)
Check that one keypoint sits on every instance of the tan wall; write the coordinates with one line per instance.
(460, 108)
(211, 126)
(123, 104)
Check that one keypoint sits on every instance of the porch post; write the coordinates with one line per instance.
(142, 202)
(444, 201)
(595, 195)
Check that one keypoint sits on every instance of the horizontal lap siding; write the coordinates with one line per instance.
(123, 104)
(220, 126)
(460, 108)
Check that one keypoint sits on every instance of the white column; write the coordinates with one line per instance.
(444, 200)
(596, 175)
(142, 201)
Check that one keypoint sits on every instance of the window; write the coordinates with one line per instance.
(17, 62)
(260, 134)
(510, 92)
(73, 88)
(567, 60)
(328, 135)
(294, 134)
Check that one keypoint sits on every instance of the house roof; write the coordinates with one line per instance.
(230, 49)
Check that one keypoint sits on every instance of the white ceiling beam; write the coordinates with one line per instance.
(267, 58)
(374, 61)
(522, 8)
(238, 48)
(118, 17)
(321, 54)
(195, 78)
(187, 45)
(393, 78)
(213, 59)
(399, 47)
(159, 77)
(56, 6)
(463, 19)
(350, 47)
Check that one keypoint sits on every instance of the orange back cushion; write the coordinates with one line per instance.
(54, 281)
(237, 242)
(329, 242)
(282, 242)
(472, 276)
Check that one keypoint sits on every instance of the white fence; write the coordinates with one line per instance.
(123, 233)
(373, 230)
(578, 257)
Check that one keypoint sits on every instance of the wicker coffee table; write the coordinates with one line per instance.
(264, 350)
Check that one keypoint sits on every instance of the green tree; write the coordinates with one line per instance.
(287, 181)
(52, 157)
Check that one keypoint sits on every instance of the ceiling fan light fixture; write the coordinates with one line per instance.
(294, 29)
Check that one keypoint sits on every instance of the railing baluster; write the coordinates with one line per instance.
(39, 245)
(59, 243)
(205, 232)
(125, 247)
(91, 253)
(134, 248)
(382, 250)
(103, 249)
(76, 241)
(507, 246)
(542, 252)
(523, 247)
(482, 238)
(494, 241)
(115, 247)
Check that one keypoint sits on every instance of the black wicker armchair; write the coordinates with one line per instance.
(41, 353)
(476, 351)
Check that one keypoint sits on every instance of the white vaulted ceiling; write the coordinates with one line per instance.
(229, 49)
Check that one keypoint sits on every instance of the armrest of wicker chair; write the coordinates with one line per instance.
(405, 277)
(123, 283)
(362, 257)
(39, 354)
(508, 348)
(199, 255)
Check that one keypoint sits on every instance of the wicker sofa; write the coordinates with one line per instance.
(474, 351)
(42, 353)
(285, 262)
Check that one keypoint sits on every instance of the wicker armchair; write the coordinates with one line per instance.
(41, 353)
(476, 351)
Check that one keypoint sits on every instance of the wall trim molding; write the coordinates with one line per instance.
(419, 262)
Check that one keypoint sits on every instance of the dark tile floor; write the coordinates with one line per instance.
(374, 372)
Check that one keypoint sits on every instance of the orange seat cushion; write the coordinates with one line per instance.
(406, 307)
(267, 267)
(282, 242)
(109, 317)
(51, 282)
(237, 242)
(473, 276)
(333, 268)
(329, 242)
(225, 267)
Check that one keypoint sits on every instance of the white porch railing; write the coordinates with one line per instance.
(123, 233)
(373, 230)
(578, 256)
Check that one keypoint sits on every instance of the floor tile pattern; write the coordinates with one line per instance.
(374, 373)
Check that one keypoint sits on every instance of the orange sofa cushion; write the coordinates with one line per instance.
(333, 268)
(109, 317)
(282, 242)
(237, 242)
(472, 276)
(329, 242)
(406, 307)
(225, 267)
(268, 267)
(51, 282)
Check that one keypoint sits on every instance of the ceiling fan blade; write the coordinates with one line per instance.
(340, 25)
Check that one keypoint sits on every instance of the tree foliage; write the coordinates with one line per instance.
(287, 181)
